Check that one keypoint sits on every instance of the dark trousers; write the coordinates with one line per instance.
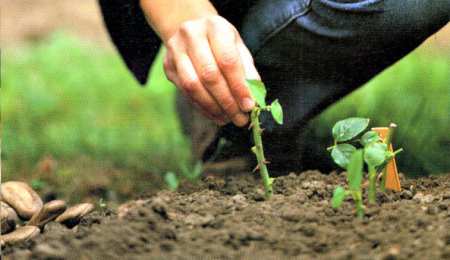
(311, 53)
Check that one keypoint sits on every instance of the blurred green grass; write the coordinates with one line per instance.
(69, 100)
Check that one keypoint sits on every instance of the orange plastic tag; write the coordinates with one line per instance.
(392, 179)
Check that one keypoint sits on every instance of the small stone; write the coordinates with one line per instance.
(239, 198)
(159, 206)
(48, 252)
(432, 210)
(313, 185)
(124, 209)
(48, 212)
(8, 218)
(406, 194)
(239, 201)
(291, 214)
(21, 234)
(446, 196)
(259, 195)
(198, 220)
(392, 253)
(443, 206)
(21, 197)
(420, 197)
(73, 215)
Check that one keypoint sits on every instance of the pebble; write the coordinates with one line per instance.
(21, 197)
(48, 212)
(420, 197)
(8, 218)
(124, 209)
(443, 206)
(393, 253)
(406, 194)
(73, 215)
(291, 214)
(47, 251)
(432, 210)
(239, 201)
(21, 234)
(159, 206)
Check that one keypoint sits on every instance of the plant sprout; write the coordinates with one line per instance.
(373, 151)
(173, 180)
(259, 92)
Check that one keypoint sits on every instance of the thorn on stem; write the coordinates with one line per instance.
(380, 175)
(256, 168)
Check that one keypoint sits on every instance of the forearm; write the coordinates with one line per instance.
(165, 16)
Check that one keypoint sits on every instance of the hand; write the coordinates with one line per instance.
(208, 61)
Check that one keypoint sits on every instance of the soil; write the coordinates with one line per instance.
(227, 217)
(28, 21)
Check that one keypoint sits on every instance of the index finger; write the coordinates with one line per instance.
(223, 43)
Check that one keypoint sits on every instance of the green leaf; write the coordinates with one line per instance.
(171, 180)
(197, 171)
(258, 91)
(37, 184)
(349, 128)
(277, 111)
(338, 197)
(375, 154)
(354, 170)
(369, 137)
(341, 154)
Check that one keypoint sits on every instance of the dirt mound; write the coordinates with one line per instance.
(33, 20)
(228, 218)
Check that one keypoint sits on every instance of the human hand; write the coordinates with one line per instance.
(208, 61)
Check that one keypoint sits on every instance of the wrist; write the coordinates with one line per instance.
(166, 18)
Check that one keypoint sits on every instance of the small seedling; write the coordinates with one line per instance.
(38, 184)
(173, 180)
(102, 206)
(373, 151)
(259, 92)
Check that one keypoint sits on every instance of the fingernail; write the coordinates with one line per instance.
(247, 104)
(240, 120)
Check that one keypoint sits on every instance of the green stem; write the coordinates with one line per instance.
(372, 184)
(387, 141)
(259, 152)
(357, 197)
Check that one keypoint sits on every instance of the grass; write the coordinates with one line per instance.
(77, 104)
(71, 100)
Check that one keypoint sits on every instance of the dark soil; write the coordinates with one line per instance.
(228, 218)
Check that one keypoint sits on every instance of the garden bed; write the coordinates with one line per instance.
(229, 218)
